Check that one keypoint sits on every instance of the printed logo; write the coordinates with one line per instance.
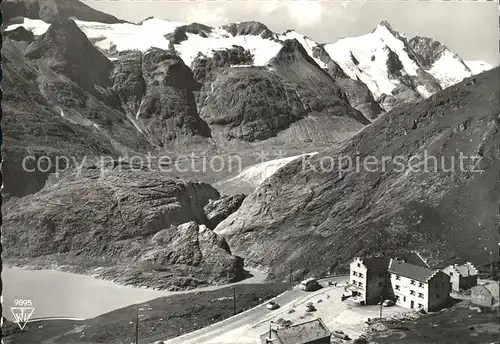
(22, 312)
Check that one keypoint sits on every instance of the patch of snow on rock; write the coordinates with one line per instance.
(449, 70)
(258, 173)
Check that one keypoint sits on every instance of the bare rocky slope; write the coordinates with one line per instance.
(51, 11)
(253, 103)
(90, 222)
(315, 219)
(54, 105)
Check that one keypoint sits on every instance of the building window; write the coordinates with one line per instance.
(421, 285)
(360, 275)
(420, 295)
(397, 287)
(420, 305)
(380, 284)
(360, 284)
(412, 282)
(354, 273)
(359, 265)
(437, 296)
(398, 277)
(397, 297)
(451, 273)
(412, 292)
(380, 274)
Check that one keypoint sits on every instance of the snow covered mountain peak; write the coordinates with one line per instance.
(393, 67)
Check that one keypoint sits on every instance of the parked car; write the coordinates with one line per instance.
(340, 335)
(310, 284)
(272, 305)
(388, 303)
(310, 307)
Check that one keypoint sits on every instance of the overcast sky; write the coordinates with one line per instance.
(468, 28)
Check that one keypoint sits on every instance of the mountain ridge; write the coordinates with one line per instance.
(418, 79)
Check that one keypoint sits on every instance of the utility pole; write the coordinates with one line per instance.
(491, 265)
(381, 305)
(137, 329)
(234, 300)
(270, 331)
(492, 268)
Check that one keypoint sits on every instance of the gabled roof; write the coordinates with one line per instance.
(415, 272)
(376, 262)
(465, 270)
(493, 288)
(303, 333)
(413, 258)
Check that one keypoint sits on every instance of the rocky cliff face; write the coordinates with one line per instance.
(65, 50)
(168, 109)
(232, 114)
(427, 50)
(49, 115)
(311, 214)
(128, 221)
(20, 34)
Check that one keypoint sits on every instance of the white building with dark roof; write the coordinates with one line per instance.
(462, 277)
(417, 287)
(409, 285)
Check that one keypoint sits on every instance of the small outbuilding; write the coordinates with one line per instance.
(462, 277)
(482, 296)
(311, 332)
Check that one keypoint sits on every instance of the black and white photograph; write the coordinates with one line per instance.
(250, 172)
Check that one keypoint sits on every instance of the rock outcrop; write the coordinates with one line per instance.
(427, 50)
(168, 109)
(272, 107)
(51, 11)
(218, 210)
(253, 28)
(179, 34)
(20, 34)
(65, 50)
(126, 220)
